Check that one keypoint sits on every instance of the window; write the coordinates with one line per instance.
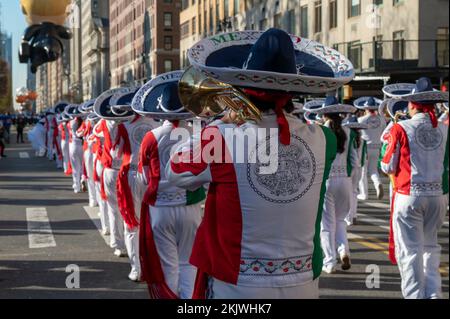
(167, 66)
(277, 21)
(378, 46)
(263, 25)
(194, 25)
(236, 7)
(168, 43)
(354, 8)
(317, 16)
(184, 4)
(396, 2)
(291, 22)
(226, 8)
(167, 19)
(354, 54)
(378, 2)
(184, 30)
(333, 13)
(442, 46)
(398, 50)
(304, 21)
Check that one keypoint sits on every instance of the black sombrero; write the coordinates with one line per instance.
(73, 111)
(367, 103)
(422, 92)
(102, 106)
(60, 107)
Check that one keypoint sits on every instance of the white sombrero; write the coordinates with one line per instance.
(102, 106)
(159, 98)
(393, 106)
(352, 122)
(87, 107)
(421, 92)
(367, 103)
(328, 105)
(271, 60)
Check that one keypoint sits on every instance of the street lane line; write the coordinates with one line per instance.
(93, 215)
(39, 231)
(24, 155)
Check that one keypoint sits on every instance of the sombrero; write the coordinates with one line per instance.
(159, 98)
(87, 107)
(367, 103)
(121, 102)
(102, 106)
(72, 111)
(311, 117)
(60, 107)
(393, 106)
(352, 122)
(328, 105)
(422, 92)
(272, 60)
(92, 117)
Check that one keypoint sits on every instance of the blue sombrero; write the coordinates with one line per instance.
(121, 102)
(159, 98)
(352, 122)
(60, 107)
(393, 106)
(367, 103)
(328, 105)
(87, 107)
(73, 111)
(272, 60)
(102, 106)
(311, 117)
(422, 92)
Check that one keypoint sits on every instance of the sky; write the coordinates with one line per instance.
(13, 22)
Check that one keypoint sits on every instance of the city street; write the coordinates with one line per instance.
(45, 227)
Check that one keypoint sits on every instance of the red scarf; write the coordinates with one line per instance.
(427, 108)
(280, 100)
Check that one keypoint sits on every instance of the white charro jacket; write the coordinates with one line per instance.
(372, 135)
(417, 157)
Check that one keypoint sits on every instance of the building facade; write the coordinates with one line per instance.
(6, 71)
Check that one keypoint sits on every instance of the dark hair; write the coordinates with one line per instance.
(336, 127)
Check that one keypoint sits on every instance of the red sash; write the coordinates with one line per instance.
(55, 140)
(391, 232)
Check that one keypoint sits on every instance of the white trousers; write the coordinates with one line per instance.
(333, 233)
(104, 219)
(416, 223)
(370, 169)
(116, 224)
(220, 290)
(50, 144)
(89, 163)
(76, 158)
(174, 230)
(356, 177)
(65, 154)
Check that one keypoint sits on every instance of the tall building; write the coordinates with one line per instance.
(6, 69)
(94, 47)
(387, 40)
(74, 68)
(144, 39)
(31, 85)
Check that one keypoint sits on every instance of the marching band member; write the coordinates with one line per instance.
(260, 236)
(65, 139)
(170, 215)
(84, 132)
(129, 190)
(49, 125)
(111, 162)
(339, 188)
(417, 157)
(361, 146)
(56, 138)
(377, 124)
(37, 137)
(75, 147)
(444, 117)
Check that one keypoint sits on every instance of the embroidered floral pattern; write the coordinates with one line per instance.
(275, 267)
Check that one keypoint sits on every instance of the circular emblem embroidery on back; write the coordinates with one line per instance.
(139, 132)
(374, 122)
(427, 137)
(292, 179)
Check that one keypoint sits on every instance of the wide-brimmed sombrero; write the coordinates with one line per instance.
(422, 92)
(102, 106)
(87, 107)
(73, 111)
(392, 106)
(352, 122)
(328, 105)
(272, 60)
(121, 102)
(60, 107)
(367, 103)
(159, 98)
(311, 117)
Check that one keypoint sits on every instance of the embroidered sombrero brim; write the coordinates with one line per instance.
(148, 101)
(73, 111)
(311, 117)
(102, 106)
(60, 107)
(87, 107)
(393, 106)
(319, 69)
(405, 91)
(362, 104)
(356, 125)
(318, 107)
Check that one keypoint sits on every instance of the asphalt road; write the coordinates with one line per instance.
(34, 261)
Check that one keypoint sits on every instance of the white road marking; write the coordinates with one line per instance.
(93, 215)
(39, 231)
(24, 155)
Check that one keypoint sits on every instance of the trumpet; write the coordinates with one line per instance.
(398, 115)
(207, 97)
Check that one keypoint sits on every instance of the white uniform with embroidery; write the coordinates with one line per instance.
(174, 221)
(260, 237)
(356, 177)
(76, 156)
(50, 128)
(372, 135)
(337, 202)
(417, 156)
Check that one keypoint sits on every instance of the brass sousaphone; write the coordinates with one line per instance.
(207, 97)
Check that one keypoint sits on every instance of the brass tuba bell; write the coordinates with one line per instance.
(207, 97)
